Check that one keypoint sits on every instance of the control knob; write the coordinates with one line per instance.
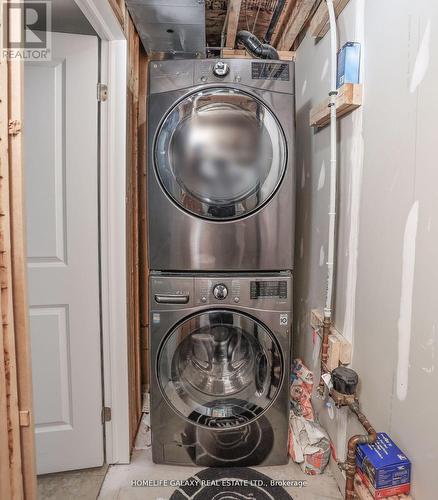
(221, 69)
(220, 291)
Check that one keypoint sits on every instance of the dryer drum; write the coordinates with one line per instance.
(220, 153)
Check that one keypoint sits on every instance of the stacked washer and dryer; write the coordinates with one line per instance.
(221, 224)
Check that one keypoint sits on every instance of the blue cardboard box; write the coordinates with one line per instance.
(348, 64)
(383, 463)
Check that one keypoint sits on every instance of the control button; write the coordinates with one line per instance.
(203, 78)
(220, 291)
(221, 69)
(236, 299)
(237, 78)
(203, 299)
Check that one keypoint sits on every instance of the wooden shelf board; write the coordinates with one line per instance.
(362, 492)
(348, 99)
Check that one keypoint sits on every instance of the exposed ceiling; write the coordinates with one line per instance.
(255, 16)
(185, 28)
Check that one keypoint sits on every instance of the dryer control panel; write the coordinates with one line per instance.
(275, 76)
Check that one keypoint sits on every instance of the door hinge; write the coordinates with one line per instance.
(106, 414)
(14, 127)
(102, 92)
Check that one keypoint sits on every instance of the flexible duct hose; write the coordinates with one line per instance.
(255, 47)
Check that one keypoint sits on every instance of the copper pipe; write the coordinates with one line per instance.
(326, 328)
(350, 464)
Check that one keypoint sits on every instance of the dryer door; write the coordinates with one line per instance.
(220, 369)
(220, 153)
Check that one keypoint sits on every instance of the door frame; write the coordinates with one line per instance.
(112, 190)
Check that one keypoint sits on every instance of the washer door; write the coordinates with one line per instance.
(220, 369)
(220, 154)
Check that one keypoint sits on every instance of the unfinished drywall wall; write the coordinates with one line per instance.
(388, 223)
(313, 161)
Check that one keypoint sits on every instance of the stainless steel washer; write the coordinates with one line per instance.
(220, 356)
(221, 165)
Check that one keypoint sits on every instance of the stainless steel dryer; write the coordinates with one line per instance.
(221, 165)
(220, 356)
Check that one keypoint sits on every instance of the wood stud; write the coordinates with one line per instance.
(232, 22)
(134, 367)
(285, 55)
(17, 453)
(282, 20)
(295, 23)
(319, 24)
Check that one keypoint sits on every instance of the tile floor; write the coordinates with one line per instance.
(72, 485)
(116, 485)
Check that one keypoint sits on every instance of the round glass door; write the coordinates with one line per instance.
(220, 153)
(220, 369)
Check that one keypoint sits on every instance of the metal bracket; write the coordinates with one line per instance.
(342, 399)
(106, 414)
(102, 92)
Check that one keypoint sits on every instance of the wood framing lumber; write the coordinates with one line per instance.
(232, 22)
(295, 23)
(285, 55)
(282, 20)
(319, 24)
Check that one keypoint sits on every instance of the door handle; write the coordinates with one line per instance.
(171, 299)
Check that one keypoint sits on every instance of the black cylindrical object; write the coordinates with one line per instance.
(255, 47)
(274, 20)
(345, 380)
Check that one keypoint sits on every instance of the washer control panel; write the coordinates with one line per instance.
(266, 292)
(211, 291)
(248, 291)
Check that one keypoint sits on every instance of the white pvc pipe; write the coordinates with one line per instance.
(333, 163)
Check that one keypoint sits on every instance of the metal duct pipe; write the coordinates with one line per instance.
(255, 47)
(274, 20)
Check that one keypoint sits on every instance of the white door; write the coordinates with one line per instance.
(61, 162)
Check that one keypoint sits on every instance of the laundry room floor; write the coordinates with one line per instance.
(118, 481)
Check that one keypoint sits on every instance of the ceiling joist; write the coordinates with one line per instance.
(224, 18)
(295, 23)
(319, 25)
(282, 20)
